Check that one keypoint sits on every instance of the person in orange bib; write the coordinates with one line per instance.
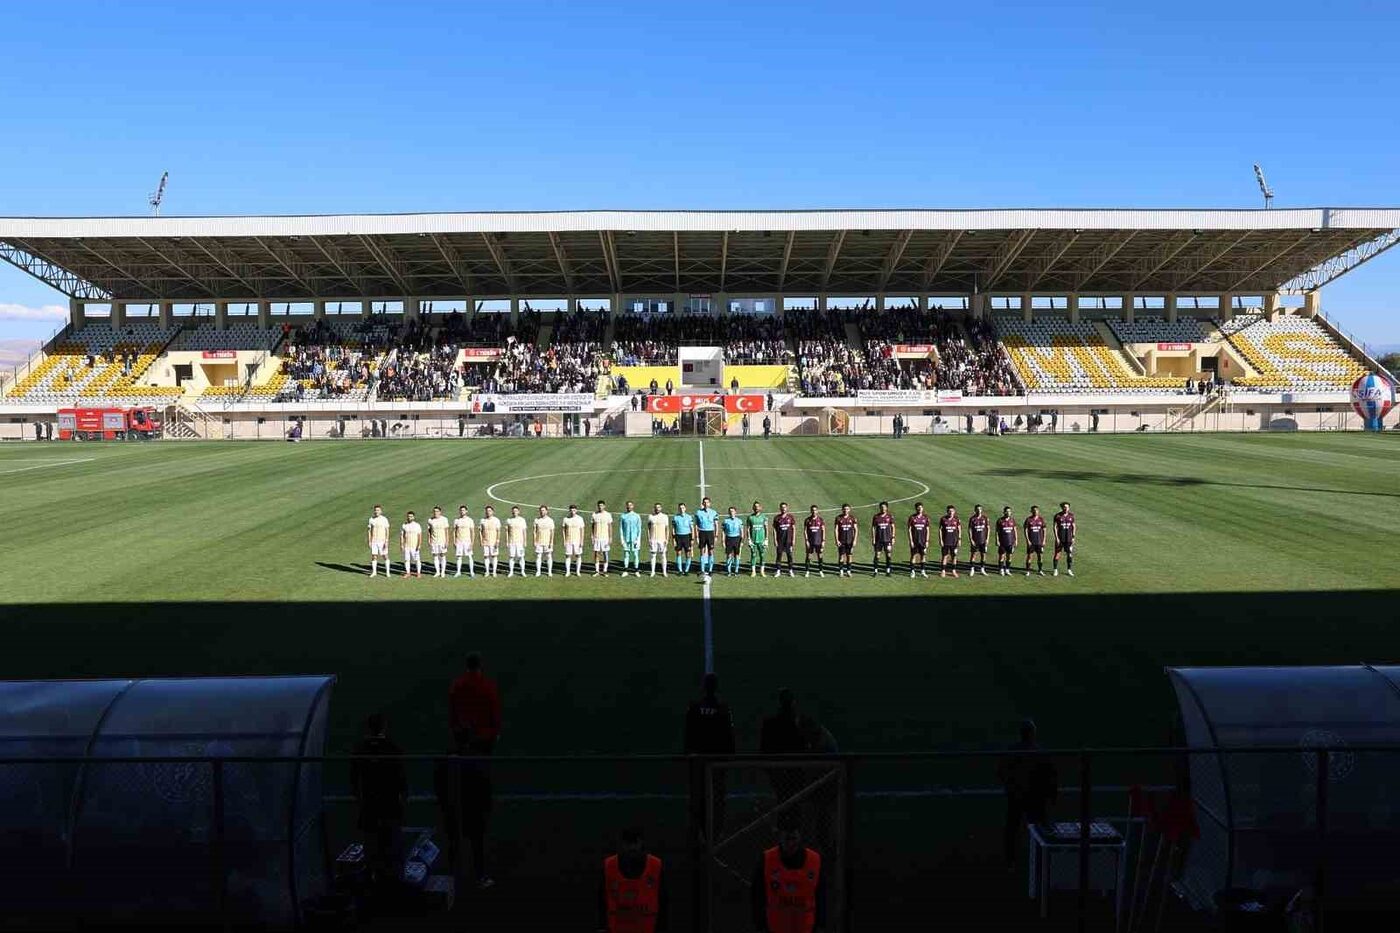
(789, 888)
(632, 898)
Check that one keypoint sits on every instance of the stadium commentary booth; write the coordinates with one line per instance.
(91, 840)
(1258, 810)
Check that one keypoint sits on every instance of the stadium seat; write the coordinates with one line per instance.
(1052, 354)
(1291, 352)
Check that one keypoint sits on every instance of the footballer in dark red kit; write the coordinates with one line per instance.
(814, 537)
(847, 534)
(1064, 539)
(979, 529)
(1035, 540)
(882, 536)
(919, 524)
(1008, 535)
(784, 534)
(949, 537)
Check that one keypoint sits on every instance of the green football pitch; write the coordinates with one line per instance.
(234, 558)
(229, 558)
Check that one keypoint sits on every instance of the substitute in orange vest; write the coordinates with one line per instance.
(789, 886)
(632, 898)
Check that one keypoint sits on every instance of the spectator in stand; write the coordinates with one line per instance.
(380, 786)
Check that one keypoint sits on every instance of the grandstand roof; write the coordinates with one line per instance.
(555, 254)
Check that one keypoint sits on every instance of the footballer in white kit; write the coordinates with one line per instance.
(544, 541)
(437, 540)
(602, 521)
(411, 541)
(490, 531)
(377, 535)
(658, 535)
(464, 537)
(573, 526)
(516, 528)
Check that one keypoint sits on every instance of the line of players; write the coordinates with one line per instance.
(687, 532)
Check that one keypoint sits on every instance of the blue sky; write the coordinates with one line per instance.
(257, 107)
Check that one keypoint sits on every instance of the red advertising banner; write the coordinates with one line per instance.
(914, 349)
(481, 353)
(675, 404)
(1173, 346)
(219, 355)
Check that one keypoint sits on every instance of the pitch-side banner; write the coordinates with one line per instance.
(219, 355)
(674, 404)
(481, 353)
(907, 396)
(916, 350)
(1173, 346)
(538, 402)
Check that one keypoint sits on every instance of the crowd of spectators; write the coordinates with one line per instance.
(746, 339)
(332, 364)
(977, 365)
(420, 375)
(570, 363)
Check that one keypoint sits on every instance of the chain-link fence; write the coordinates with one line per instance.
(1179, 840)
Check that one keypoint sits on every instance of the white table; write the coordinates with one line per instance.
(1054, 862)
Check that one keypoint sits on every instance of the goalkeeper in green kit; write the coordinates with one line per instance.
(756, 523)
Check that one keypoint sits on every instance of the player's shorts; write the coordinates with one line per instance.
(843, 548)
(1005, 550)
(950, 550)
(731, 546)
(602, 544)
(884, 545)
(464, 549)
(573, 550)
(1066, 546)
(658, 546)
(543, 549)
(918, 549)
(1033, 548)
(411, 554)
(438, 549)
(682, 542)
(814, 547)
(706, 538)
(490, 550)
(631, 545)
(978, 547)
(379, 550)
(515, 550)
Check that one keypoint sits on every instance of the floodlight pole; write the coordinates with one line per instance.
(158, 195)
(1264, 188)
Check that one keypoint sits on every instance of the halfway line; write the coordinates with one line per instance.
(705, 591)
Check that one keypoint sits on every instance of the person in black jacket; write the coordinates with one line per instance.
(1031, 786)
(380, 786)
(709, 730)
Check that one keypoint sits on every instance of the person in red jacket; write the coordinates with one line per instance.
(474, 710)
(788, 888)
(474, 715)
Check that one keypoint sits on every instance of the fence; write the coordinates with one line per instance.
(905, 838)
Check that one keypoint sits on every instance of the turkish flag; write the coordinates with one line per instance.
(738, 404)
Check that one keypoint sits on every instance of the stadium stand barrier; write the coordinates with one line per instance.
(902, 836)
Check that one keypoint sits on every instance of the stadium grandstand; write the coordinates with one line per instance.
(1156, 319)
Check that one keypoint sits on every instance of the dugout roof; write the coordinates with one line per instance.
(558, 254)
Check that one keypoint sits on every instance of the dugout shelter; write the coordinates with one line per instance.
(120, 839)
(1258, 810)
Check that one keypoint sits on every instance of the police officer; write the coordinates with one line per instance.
(632, 898)
(789, 886)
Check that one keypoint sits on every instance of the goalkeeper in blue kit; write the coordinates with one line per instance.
(630, 530)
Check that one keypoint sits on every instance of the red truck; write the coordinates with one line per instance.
(107, 424)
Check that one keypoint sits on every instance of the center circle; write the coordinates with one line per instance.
(923, 490)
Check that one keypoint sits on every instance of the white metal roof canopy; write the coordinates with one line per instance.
(559, 254)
